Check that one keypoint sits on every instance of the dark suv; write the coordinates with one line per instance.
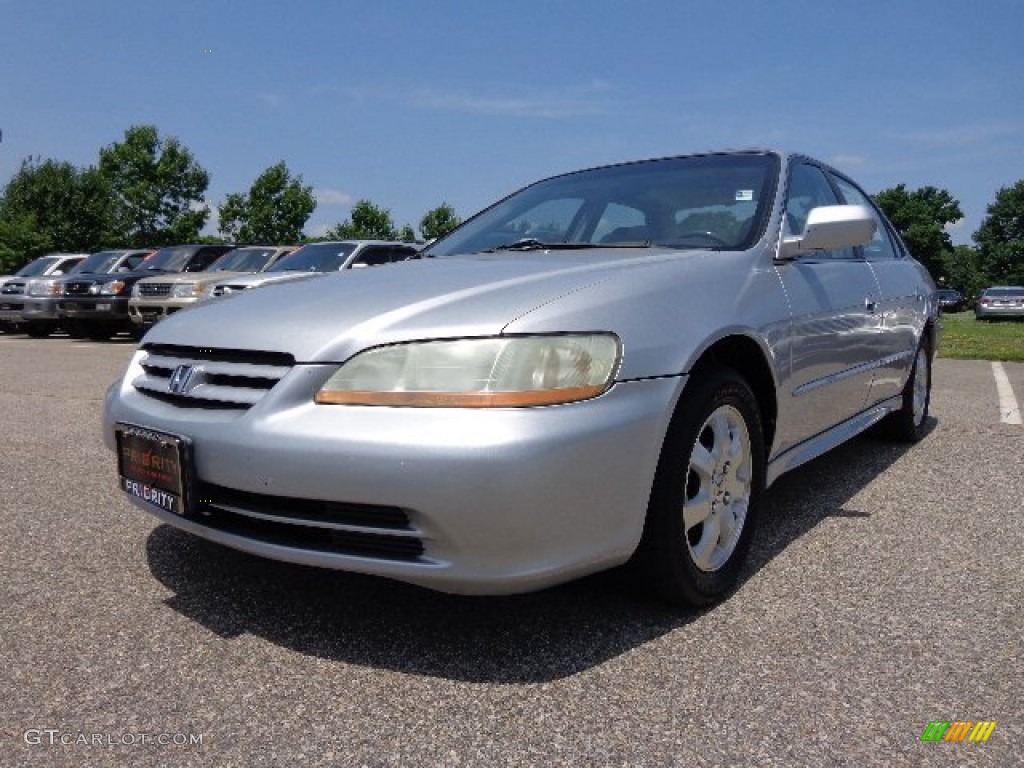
(99, 303)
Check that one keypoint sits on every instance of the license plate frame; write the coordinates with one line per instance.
(155, 467)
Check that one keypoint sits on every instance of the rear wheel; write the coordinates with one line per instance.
(907, 424)
(706, 491)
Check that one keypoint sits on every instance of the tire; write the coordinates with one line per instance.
(38, 329)
(75, 328)
(908, 423)
(706, 491)
(98, 332)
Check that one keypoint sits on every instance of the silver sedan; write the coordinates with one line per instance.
(607, 366)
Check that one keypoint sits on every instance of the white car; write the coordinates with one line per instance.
(22, 292)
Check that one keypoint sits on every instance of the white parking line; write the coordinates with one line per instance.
(1009, 411)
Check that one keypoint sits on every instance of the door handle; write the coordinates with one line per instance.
(870, 304)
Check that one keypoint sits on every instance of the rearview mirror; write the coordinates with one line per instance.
(830, 227)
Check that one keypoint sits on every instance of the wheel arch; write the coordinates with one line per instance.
(745, 356)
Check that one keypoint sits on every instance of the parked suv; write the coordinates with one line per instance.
(153, 298)
(26, 297)
(321, 258)
(101, 263)
(100, 302)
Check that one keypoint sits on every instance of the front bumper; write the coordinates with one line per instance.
(490, 501)
(149, 312)
(94, 308)
(29, 308)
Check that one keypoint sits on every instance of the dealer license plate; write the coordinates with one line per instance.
(155, 467)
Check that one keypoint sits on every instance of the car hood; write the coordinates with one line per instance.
(177, 278)
(329, 319)
(252, 279)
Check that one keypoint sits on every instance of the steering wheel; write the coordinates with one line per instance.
(706, 235)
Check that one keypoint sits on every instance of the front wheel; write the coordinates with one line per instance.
(704, 501)
(39, 329)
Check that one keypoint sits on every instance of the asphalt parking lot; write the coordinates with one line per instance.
(885, 591)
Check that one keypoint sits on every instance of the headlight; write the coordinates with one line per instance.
(41, 288)
(112, 288)
(499, 372)
(185, 290)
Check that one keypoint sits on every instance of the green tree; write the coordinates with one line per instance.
(20, 242)
(963, 271)
(158, 188)
(1000, 238)
(920, 216)
(438, 222)
(275, 209)
(52, 205)
(366, 221)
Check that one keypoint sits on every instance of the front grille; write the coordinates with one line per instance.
(365, 530)
(209, 378)
(78, 288)
(154, 289)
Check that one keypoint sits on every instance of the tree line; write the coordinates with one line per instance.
(997, 256)
(150, 191)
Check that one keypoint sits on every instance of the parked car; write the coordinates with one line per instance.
(319, 259)
(26, 298)
(154, 298)
(1000, 301)
(98, 263)
(607, 366)
(100, 302)
(951, 300)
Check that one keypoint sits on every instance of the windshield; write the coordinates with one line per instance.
(100, 262)
(315, 257)
(173, 259)
(243, 260)
(719, 202)
(37, 267)
(1003, 293)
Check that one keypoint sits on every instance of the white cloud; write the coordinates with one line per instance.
(849, 162)
(319, 230)
(212, 224)
(964, 135)
(553, 105)
(327, 196)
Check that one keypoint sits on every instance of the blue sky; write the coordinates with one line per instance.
(411, 104)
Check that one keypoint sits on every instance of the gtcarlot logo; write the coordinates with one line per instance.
(53, 737)
(958, 730)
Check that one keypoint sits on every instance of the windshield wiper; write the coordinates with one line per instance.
(533, 244)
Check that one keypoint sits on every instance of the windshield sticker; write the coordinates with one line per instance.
(744, 195)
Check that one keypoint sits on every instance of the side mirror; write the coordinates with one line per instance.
(57, 272)
(830, 227)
